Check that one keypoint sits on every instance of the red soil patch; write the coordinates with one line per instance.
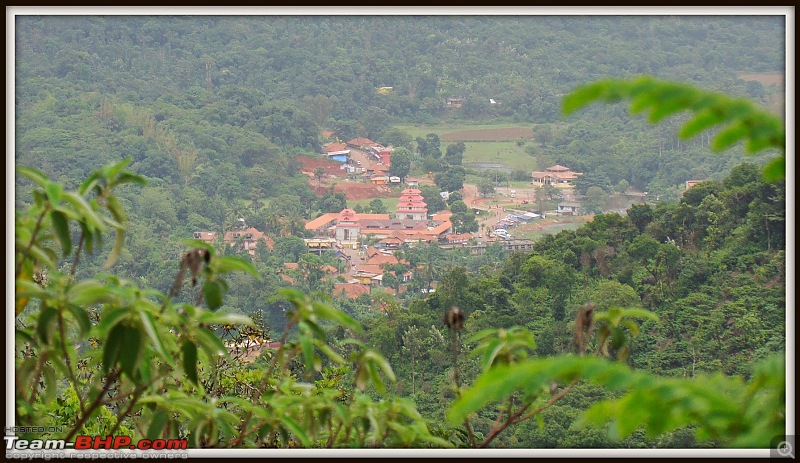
(355, 190)
(766, 78)
(352, 190)
(310, 165)
(514, 133)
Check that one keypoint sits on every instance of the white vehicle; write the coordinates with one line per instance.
(513, 193)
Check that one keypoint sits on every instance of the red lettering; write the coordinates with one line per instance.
(83, 443)
(122, 442)
(103, 443)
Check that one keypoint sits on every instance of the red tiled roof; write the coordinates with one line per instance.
(373, 269)
(360, 141)
(350, 290)
(382, 259)
(333, 147)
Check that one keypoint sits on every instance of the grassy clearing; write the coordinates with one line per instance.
(389, 203)
(500, 152)
(452, 127)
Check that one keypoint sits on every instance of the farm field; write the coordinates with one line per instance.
(492, 144)
(450, 132)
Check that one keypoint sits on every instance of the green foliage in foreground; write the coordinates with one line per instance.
(101, 354)
(742, 120)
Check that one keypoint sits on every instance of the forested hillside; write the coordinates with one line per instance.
(215, 115)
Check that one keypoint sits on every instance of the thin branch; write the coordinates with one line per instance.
(77, 254)
(112, 377)
(35, 377)
(68, 361)
(30, 244)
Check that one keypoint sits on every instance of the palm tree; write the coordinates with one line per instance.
(318, 173)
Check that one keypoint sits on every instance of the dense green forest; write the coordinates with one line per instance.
(213, 114)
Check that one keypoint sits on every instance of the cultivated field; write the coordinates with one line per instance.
(450, 132)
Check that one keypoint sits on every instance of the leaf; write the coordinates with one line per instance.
(296, 429)
(219, 318)
(61, 227)
(33, 174)
(80, 315)
(330, 313)
(212, 293)
(130, 350)
(89, 292)
(728, 137)
(704, 120)
(211, 344)
(109, 320)
(149, 327)
(43, 326)
(156, 425)
(189, 351)
(119, 243)
(53, 190)
(111, 349)
(228, 264)
(775, 170)
(85, 211)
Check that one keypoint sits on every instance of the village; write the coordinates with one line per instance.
(365, 243)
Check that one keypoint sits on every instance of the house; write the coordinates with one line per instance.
(249, 350)
(555, 175)
(248, 240)
(458, 238)
(455, 102)
(350, 290)
(378, 179)
(518, 245)
(334, 147)
(360, 143)
(386, 157)
(206, 237)
(568, 208)
(412, 181)
(691, 183)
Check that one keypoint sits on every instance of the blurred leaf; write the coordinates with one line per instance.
(211, 343)
(157, 424)
(189, 351)
(228, 264)
(148, 323)
(212, 293)
(130, 350)
(296, 430)
(119, 243)
(47, 315)
(112, 347)
(33, 174)
(62, 231)
(81, 317)
(218, 318)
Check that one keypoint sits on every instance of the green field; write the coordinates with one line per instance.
(498, 152)
(390, 203)
(451, 127)
(507, 152)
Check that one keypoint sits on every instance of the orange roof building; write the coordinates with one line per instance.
(555, 175)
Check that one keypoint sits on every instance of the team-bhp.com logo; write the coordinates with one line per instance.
(95, 443)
